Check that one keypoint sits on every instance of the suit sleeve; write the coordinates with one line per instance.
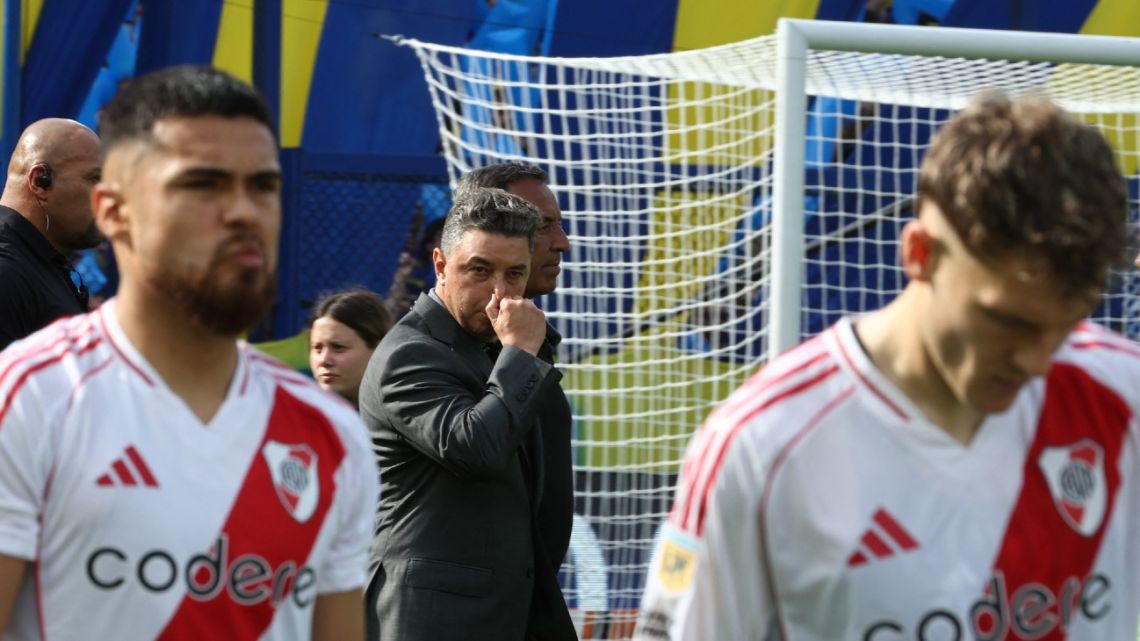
(25, 463)
(473, 435)
(707, 576)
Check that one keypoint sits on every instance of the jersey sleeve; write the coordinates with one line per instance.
(1111, 359)
(707, 576)
(346, 564)
(25, 462)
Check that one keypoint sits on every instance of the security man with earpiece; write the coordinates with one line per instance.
(45, 216)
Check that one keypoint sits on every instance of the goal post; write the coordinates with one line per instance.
(797, 38)
(722, 205)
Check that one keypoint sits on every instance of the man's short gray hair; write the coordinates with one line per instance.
(498, 176)
(493, 211)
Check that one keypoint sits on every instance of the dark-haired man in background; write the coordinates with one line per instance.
(452, 397)
(551, 443)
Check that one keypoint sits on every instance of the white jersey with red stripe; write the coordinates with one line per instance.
(141, 522)
(818, 504)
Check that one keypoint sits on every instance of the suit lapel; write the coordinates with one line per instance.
(443, 327)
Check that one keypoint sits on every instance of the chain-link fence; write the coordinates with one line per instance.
(348, 219)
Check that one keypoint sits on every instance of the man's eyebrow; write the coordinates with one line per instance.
(267, 174)
(479, 260)
(204, 172)
(1008, 317)
(217, 172)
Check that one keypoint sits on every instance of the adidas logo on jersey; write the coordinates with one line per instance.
(128, 470)
(884, 539)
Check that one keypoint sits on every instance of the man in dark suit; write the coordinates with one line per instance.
(556, 509)
(452, 397)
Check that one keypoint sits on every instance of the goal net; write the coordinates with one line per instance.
(709, 231)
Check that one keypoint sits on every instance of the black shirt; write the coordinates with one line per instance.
(35, 280)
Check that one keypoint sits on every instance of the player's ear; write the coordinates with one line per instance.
(110, 211)
(918, 251)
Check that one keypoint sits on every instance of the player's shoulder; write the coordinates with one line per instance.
(262, 365)
(1103, 355)
(1090, 341)
(64, 351)
(41, 373)
(1100, 351)
(772, 408)
(804, 374)
(266, 369)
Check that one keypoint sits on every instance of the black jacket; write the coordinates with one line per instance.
(35, 280)
(459, 553)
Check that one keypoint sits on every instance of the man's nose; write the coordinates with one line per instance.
(500, 287)
(242, 208)
(561, 242)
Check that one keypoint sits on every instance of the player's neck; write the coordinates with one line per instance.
(893, 343)
(194, 362)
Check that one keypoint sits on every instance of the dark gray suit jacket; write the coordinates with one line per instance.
(457, 554)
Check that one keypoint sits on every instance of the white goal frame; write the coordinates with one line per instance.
(795, 38)
(638, 412)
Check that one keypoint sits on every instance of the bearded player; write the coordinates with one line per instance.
(158, 477)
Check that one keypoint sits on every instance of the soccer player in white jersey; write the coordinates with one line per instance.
(963, 464)
(160, 479)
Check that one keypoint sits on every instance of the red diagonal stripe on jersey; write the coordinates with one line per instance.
(876, 545)
(124, 473)
(1039, 546)
(140, 466)
(105, 480)
(896, 531)
(259, 525)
